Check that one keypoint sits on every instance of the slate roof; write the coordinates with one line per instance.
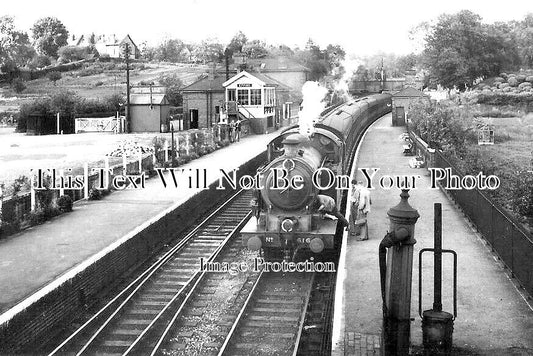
(408, 92)
(262, 77)
(207, 84)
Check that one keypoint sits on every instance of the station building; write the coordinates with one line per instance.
(260, 101)
(401, 103)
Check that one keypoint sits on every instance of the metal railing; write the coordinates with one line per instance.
(507, 236)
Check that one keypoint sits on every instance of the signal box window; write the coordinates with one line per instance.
(255, 97)
(242, 97)
(231, 95)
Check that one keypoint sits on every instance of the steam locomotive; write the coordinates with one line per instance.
(300, 167)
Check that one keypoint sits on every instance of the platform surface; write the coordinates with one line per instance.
(494, 317)
(35, 257)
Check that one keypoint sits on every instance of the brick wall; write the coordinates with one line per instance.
(28, 328)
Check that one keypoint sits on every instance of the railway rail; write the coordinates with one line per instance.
(135, 320)
(272, 319)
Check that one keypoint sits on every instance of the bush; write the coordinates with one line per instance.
(522, 193)
(40, 61)
(72, 53)
(64, 203)
(95, 194)
(36, 217)
(105, 57)
(512, 81)
(54, 76)
(85, 72)
(520, 78)
(18, 85)
(40, 106)
(443, 126)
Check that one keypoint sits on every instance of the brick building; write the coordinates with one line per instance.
(401, 102)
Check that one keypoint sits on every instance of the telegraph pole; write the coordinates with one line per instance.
(127, 58)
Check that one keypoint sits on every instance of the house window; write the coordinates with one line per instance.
(242, 97)
(255, 97)
(231, 95)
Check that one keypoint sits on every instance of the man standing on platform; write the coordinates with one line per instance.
(354, 207)
(238, 130)
(363, 209)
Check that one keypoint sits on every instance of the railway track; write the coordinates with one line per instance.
(272, 319)
(138, 318)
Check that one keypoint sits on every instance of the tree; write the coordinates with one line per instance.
(15, 48)
(320, 62)
(170, 51)
(361, 74)
(115, 101)
(173, 85)
(407, 62)
(335, 55)
(523, 33)
(18, 85)
(211, 50)
(49, 34)
(54, 76)
(255, 49)
(237, 43)
(460, 49)
(65, 102)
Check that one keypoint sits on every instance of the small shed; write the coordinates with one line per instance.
(401, 102)
(149, 112)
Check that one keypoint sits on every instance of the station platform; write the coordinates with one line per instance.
(493, 316)
(37, 260)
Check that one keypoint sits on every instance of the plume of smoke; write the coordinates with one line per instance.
(340, 87)
(313, 104)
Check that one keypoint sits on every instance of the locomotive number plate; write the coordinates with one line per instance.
(272, 240)
(303, 240)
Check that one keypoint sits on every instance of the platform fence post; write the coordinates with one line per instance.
(86, 180)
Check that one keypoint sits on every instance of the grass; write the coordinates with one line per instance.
(511, 153)
(99, 85)
(514, 140)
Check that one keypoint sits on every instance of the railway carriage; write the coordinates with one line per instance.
(285, 219)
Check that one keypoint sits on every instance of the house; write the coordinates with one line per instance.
(107, 45)
(402, 101)
(148, 112)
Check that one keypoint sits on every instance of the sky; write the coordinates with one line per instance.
(362, 28)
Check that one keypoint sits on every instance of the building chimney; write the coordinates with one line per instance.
(212, 71)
